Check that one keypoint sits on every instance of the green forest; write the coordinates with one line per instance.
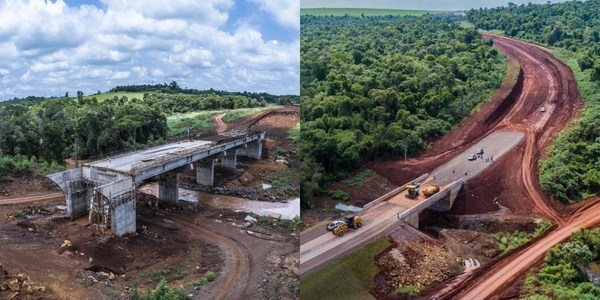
(572, 170)
(38, 132)
(562, 274)
(371, 86)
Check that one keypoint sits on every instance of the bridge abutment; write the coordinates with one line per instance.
(205, 171)
(76, 198)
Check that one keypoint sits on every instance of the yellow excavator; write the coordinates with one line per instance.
(349, 222)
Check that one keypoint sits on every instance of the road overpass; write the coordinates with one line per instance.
(105, 189)
(380, 215)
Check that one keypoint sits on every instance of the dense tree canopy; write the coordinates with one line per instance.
(372, 86)
(53, 129)
(572, 170)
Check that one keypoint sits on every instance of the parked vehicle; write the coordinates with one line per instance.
(334, 224)
(472, 157)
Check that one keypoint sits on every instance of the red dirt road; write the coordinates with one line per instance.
(562, 102)
(32, 198)
(245, 123)
(513, 180)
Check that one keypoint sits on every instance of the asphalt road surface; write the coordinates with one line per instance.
(494, 146)
(381, 217)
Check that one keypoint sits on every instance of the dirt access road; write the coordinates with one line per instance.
(546, 76)
(245, 123)
(513, 180)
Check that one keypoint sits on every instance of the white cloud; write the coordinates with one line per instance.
(286, 12)
(49, 47)
(121, 75)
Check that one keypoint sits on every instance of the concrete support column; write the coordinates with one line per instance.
(229, 159)
(76, 198)
(123, 216)
(252, 149)
(168, 187)
(413, 221)
(205, 171)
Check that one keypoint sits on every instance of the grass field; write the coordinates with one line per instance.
(350, 277)
(364, 11)
(179, 123)
(110, 95)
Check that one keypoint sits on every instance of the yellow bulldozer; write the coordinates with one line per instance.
(350, 222)
(430, 190)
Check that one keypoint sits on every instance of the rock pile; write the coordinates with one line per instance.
(18, 286)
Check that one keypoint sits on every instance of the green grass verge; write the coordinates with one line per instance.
(337, 12)
(358, 178)
(109, 95)
(236, 114)
(508, 241)
(350, 277)
(178, 124)
(295, 133)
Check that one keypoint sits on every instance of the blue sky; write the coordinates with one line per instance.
(417, 4)
(53, 47)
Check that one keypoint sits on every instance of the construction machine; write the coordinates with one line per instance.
(350, 222)
(430, 190)
(413, 191)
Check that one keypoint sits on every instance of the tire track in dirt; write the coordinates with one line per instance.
(238, 260)
(31, 199)
(219, 125)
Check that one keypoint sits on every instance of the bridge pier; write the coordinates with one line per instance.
(205, 171)
(168, 187)
(229, 159)
(123, 214)
(252, 149)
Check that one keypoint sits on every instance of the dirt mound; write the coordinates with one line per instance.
(12, 185)
(470, 243)
(413, 264)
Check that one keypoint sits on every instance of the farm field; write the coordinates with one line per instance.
(364, 11)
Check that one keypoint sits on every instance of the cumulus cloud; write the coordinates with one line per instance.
(285, 12)
(61, 48)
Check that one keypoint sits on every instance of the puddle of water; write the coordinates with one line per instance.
(346, 207)
(330, 203)
(262, 208)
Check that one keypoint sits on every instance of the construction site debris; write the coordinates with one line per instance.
(66, 244)
(416, 264)
(19, 286)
